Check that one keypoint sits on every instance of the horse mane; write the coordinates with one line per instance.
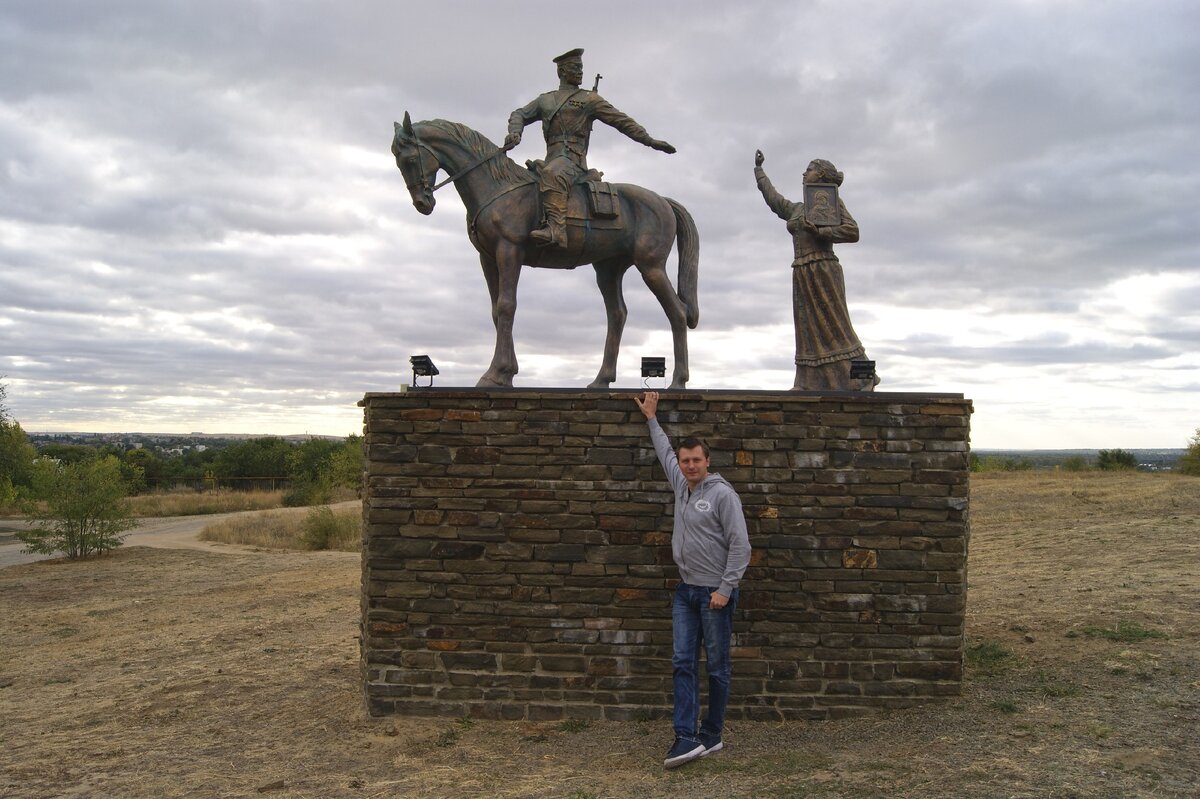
(501, 170)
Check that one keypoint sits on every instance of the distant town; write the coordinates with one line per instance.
(169, 443)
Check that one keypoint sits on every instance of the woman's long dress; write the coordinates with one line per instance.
(825, 339)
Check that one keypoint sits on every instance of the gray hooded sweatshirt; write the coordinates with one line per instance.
(709, 543)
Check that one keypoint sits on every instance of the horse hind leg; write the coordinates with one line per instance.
(609, 274)
(655, 276)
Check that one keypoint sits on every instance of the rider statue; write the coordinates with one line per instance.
(567, 114)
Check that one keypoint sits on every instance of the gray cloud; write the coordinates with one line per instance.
(1049, 350)
(198, 200)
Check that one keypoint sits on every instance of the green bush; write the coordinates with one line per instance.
(321, 470)
(346, 467)
(1110, 459)
(324, 529)
(16, 455)
(256, 459)
(308, 491)
(1076, 463)
(995, 463)
(1189, 463)
(338, 463)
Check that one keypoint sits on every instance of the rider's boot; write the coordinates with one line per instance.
(554, 203)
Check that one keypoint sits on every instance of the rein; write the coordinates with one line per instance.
(459, 173)
(424, 181)
(465, 170)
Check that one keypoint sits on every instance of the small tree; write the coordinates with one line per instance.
(1116, 459)
(347, 467)
(78, 508)
(1189, 463)
(16, 454)
(1075, 463)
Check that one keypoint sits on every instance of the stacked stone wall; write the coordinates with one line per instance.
(517, 560)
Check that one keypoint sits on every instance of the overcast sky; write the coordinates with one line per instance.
(202, 227)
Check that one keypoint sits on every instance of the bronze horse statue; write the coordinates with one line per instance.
(502, 208)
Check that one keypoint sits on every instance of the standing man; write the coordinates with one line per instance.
(711, 548)
(567, 114)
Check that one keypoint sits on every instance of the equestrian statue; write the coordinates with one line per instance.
(557, 214)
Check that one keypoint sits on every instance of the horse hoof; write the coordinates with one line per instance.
(678, 385)
(487, 382)
(598, 383)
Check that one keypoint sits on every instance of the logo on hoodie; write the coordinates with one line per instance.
(703, 505)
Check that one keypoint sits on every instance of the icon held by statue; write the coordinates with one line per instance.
(821, 206)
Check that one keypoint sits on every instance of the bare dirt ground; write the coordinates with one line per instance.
(205, 673)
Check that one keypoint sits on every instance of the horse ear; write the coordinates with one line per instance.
(408, 124)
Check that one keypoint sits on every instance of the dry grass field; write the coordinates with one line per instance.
(338, 527)
(233, 673)
(193, 503)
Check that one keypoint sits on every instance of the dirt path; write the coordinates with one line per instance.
(190, 673)
(167, 532)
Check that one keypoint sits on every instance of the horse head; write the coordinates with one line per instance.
(417, 163)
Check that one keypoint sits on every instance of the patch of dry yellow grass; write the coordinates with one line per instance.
(1006, 497)
(293, 528)
(196, 503)
(276, 530)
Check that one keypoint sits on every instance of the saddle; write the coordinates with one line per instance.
(592, 202)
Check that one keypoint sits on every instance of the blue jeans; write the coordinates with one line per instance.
(694, 624)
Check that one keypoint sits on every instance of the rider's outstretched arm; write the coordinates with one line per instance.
(604, 111)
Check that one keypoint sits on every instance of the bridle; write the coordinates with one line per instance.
(424, 184)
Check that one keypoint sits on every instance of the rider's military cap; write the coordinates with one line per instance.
(570, 55)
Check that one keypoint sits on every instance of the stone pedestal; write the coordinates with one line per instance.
(517, 559)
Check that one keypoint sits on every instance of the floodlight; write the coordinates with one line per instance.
(862, 370)
(422, 366)
(654, 367)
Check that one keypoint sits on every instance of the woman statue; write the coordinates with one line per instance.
(825, 340)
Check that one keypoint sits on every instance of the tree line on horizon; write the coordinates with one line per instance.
(309, 471)
(1103, 460)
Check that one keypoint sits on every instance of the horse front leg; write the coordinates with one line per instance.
(656, 279)
(507, 270)
(609, 275)
(493, 280)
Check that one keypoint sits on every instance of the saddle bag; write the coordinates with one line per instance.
(605, 202)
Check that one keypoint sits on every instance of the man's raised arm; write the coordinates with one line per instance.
(662, 445)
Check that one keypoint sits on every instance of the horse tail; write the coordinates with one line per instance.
(688, 241)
